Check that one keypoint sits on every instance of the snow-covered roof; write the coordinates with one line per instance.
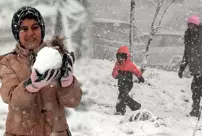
(167, 32)
(107, 20)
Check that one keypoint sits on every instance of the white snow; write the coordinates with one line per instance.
(47, 58)
(166, 101)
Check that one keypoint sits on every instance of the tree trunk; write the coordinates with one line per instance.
(58, 24)
(132, 18)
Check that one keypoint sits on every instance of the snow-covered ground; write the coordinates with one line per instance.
(167, 97)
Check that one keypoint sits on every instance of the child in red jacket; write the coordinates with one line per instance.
(123, 71)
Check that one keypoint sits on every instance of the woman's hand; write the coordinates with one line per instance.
(67, 69)
(38, 81)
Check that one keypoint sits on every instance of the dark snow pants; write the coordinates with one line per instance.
(125, 100)
(196, 88)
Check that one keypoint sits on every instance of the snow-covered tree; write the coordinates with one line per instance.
(155, 25)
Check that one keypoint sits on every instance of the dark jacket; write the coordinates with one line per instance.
(193, 52)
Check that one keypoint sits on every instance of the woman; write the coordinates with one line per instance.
(192, 57)
(36, 102)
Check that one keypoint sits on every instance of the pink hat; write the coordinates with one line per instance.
(194, 19)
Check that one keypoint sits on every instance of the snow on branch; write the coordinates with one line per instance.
(160, 21)
(156, 14)
(153, 30)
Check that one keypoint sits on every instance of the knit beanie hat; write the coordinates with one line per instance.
(194, 19)
(23, 13)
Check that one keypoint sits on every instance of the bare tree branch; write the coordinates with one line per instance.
(165, 12)
(160, 21)
(152, 25)
(154, 30)
(156, 14)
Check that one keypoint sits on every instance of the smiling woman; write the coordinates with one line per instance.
(30, 34)
(37, 100)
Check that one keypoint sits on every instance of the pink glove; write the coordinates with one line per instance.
(66, 81)
(67, 69)
(38, 81)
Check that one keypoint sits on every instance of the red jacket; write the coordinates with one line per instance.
(128, 65)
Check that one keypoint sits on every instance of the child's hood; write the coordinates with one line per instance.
(124, 49)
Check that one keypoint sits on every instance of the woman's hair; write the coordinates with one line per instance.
(59, 41)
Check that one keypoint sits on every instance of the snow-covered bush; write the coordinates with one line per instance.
(140, 115)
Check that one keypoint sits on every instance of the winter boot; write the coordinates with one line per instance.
(135, 106)
(119, 113)
(138, 106)
(120, 108)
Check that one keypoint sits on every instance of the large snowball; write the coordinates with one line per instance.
(47, 58)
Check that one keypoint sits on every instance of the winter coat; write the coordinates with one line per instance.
(126, 70)
(34, 114)
(193, 52)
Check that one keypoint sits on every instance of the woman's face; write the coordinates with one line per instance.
(30, 34)
(192, 27)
